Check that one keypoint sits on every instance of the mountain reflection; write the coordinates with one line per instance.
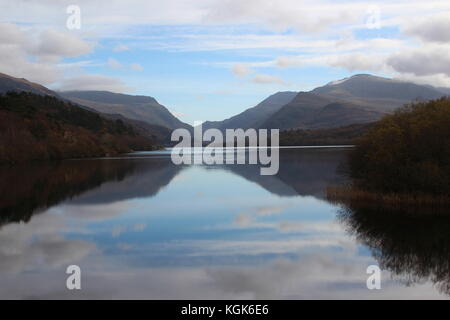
(415, 247)
(304, 172)
(33, 188)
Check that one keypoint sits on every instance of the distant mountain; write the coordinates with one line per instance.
(254, 117)
(359, 99)
(157, 132)
(445, 91)
(384, 94)
(305, 112)
(141, 108)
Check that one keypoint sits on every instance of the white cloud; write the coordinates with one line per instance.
(423, 61)
(267, 79)
(434, 29)
(120, 48)
(113, 63)
(35, 55)
(358, 61)
(305, 16)
(56, 45)
(136, 67)
(286, 62)
(240, 70)
(437, 80)
(312, 29)
(11, 34)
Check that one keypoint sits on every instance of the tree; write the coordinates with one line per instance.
(406, 152)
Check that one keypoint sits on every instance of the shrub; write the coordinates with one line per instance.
(406, 152)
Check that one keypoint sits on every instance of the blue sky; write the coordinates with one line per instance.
(210, 59)
(197, 83)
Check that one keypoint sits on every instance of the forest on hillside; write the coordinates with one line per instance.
(406, 152)
(37, 127)
(345, 135)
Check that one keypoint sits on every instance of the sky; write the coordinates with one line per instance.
(211, 59)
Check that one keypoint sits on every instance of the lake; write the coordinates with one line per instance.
(140, 227)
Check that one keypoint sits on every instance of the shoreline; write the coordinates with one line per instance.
(354, 197)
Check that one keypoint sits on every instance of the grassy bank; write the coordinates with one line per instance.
(355, 197)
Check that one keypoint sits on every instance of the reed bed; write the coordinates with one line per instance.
(355, 197)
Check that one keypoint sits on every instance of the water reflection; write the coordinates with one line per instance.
(302, 172)
(31, 189)
(140, 227)
(414, 247)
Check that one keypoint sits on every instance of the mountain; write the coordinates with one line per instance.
(8, 83)
(254, 117)
(320, 114)
(141, 108)
(382, 93)
(156, 132)
(445, 91)
(361, 98)
(42, 127)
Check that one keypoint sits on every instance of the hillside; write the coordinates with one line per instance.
(254, 117)
(330, 116)
(37, 127)
(384, 94)
(361, 98)
(159, 133)
(141, 108)
(9, 83)
(406, 152)
(322, 137)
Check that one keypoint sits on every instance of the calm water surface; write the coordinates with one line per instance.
(141, 227)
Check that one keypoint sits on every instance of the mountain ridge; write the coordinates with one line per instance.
(254, 116)
(158, 131)
(361, 98)
(135, 107)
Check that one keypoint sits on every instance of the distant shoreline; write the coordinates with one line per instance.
(245, 148)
